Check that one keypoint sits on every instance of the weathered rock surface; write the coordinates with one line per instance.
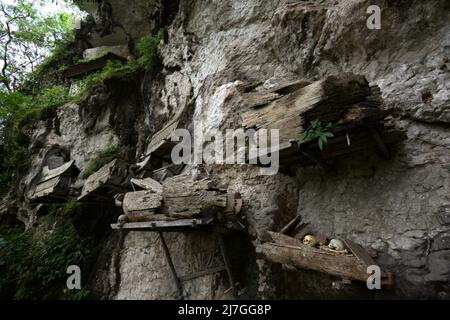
(400, 207)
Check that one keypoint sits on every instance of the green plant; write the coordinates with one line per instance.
(28, 34)
(111, 69)
(101, 158)
(39, 268)
(14, 251)
(148, 49)
(16, 110)
(65, 208)
(82, 294)
(317, 131)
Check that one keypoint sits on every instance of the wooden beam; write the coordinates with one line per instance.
(290, 225)
(155, 225)
(361, 254)
(306, 257)
(171, 265)
(227, 264)
(84, 68)
(381, 146)
(202, 273)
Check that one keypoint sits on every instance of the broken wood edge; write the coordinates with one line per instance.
(156, 225)
(290, 225)
(285, 241)
(202, 273)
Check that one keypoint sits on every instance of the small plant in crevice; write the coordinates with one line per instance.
(111, 69)
(101, 158)
(64, 209)
(317, 130)
(148, 49)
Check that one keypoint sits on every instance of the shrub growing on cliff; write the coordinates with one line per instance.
(17, 109)
(101, 158)
(37, 270)
(148, 48)
(14, 250)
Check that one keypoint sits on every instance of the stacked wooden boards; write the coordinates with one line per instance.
(84, 68)
(181, 198)
(280, 248)
(346, 101)
(110, 180)
(54, 184)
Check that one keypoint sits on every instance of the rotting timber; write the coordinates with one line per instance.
(351, 264)
(102, 185)
(182, 204)
(178, 202)
(346, 101)
(54, 184)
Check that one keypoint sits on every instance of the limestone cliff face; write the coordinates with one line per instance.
(400, 207)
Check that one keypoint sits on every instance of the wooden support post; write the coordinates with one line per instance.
(317, 159)
(227, 264)
(290, 225)
(171, 265)
(381, 146)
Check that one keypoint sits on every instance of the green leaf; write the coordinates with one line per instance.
(321, 145)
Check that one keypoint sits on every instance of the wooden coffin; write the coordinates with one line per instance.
(159, 149)
(54, 185)
(279, 248)
(104, 184)
(147, 184)
(346, 101)
(183, 198)
(84, 68)
(186, 198)
(142, 205)
(167, 172)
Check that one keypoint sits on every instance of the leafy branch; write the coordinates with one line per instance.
(317, 130)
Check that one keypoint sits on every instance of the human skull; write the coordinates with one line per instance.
(336, 244)
(122, 220)
(309, 240)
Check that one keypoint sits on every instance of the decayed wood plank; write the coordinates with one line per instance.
(361, 254)
(83, 68)
(167, 172)
(54, 183)
(48, 185)
(202, 273)
(290, 225)
(327, 100)
(162, 137)
(67, 169)
(171, 265)
(306, 257)
(257, 99)
(145, 200)
(155, 225)
(147, 216)
(148, 184)
(189, 204)
(109, 177)
(184, 184)
(283, 239)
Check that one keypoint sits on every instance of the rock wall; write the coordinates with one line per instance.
(400, 207)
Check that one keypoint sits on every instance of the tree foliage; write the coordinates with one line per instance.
(27, 36)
